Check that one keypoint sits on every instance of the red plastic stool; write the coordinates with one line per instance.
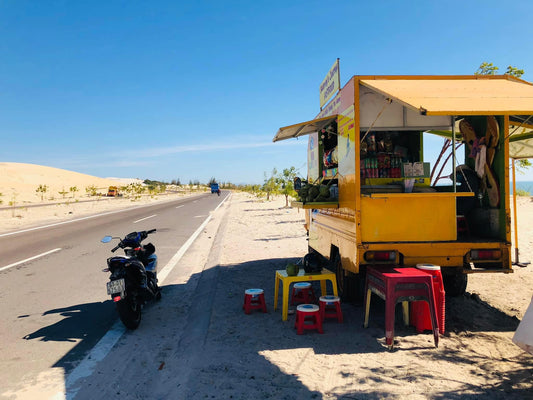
(308, 317)
(419, 314)
(254, 299)
(330, 307)
(398, 284)
(302, 292)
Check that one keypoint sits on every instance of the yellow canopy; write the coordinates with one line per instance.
(457, 95)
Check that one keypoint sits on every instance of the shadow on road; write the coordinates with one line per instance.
(83, 323)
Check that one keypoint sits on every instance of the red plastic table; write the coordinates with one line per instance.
(396, 284)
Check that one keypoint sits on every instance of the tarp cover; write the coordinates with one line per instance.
(303, 128)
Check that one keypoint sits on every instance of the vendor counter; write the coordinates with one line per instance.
(409, 216)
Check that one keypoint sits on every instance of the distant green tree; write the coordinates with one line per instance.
(42, 189)
(514, 71)
(486, 69)
(73, 190)
(271, 185)
(63, 193)
(286, 182)
(489, 69)
(91, 190)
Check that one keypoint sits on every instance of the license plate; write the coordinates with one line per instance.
(116, 286)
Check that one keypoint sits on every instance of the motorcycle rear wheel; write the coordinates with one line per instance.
(129, 311)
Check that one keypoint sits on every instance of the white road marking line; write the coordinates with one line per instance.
(180, 206)
(29, 259)
(86, 367)
(72, 220)
(199, 216)
(97, 354)
(142, 219)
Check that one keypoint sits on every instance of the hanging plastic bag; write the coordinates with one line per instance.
(523, 337)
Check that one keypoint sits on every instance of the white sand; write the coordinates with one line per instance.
(259, 356)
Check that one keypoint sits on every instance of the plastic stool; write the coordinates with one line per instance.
(309, 313)
(330, 307)
(302, 292)
(419, 314)
(254, 299)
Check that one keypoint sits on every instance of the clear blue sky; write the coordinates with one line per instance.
(197, 89)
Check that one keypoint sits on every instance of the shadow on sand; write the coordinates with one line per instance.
(209, 328)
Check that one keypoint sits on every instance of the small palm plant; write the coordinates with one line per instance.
(42, 189)
(73, 190)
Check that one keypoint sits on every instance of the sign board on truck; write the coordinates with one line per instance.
(331, 84)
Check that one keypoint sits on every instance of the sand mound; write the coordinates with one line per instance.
(19, 182)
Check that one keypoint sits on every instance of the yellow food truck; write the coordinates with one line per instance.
(372, 197)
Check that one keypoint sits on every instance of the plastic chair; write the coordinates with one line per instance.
(395, 284)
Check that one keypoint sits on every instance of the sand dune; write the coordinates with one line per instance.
(19, 182)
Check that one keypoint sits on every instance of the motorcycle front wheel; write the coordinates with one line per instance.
(129, 311)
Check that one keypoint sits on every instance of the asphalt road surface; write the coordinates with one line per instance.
(54, 306)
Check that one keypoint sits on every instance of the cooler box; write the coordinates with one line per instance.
(419, 315)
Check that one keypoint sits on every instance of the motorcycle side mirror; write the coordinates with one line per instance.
(106, 239)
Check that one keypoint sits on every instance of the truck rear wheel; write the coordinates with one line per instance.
(348, 284)
(339, 273)
(455, 282)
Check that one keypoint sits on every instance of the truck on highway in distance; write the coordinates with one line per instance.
(112, 191)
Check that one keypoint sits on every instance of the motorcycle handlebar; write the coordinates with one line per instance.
(144, 235)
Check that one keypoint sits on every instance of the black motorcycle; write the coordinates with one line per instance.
(133, 279)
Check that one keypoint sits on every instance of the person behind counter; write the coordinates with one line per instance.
(468, 181)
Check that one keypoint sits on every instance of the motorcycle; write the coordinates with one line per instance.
(133, 279)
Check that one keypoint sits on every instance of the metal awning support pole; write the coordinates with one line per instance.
(517, 260)
(453, 156)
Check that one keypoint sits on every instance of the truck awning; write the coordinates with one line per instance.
(521, 145)
(303, 128)
(458, 95)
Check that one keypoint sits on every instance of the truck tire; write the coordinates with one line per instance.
(348, 285)
(339, 273)
(455, 282)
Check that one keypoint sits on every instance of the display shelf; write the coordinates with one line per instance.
(317, 204)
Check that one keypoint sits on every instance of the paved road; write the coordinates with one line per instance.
(54, 307)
